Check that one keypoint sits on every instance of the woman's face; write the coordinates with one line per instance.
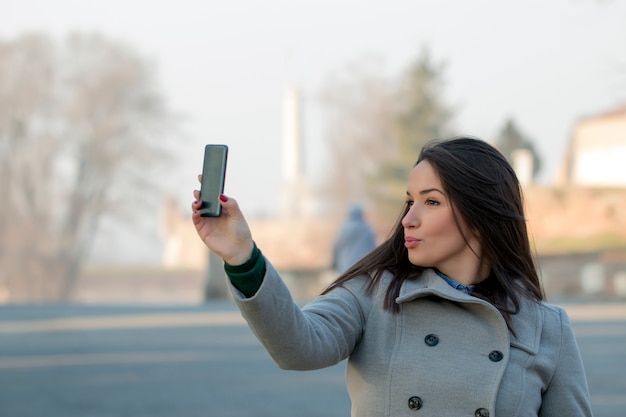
(432, 236)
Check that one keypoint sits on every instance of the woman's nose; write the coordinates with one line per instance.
(410, 219)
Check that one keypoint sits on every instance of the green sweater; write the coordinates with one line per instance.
(248, 276)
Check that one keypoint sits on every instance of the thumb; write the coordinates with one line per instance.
(236, 219)
(230, 206)
(238, 230)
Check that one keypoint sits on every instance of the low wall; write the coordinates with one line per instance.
(595, 275)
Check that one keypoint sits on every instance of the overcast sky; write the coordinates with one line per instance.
(224, 64)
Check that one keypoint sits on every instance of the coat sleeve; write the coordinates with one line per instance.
(321, 334)
(567, 393)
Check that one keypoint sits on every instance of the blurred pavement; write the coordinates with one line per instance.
(187, 361)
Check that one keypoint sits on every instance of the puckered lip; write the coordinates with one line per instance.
(411, 242)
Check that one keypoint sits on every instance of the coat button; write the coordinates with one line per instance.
(481, 412)
(431, 339)
(415, 403)
(495, 356)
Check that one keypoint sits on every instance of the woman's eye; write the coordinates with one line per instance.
(409, 203)
(431, 202)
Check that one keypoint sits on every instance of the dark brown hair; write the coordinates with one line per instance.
(486, 194)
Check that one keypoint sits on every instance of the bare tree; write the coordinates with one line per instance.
(378, 127)
(420, 115)
(81, 125)
(359, 103)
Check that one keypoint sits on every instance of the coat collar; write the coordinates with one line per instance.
(527, 323)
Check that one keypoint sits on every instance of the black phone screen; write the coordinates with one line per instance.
(213, 176)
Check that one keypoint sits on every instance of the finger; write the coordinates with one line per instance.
(200, 178)
(196, 194)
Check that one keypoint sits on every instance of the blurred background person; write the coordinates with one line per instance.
(354, 239)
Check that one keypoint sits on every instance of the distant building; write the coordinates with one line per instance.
(596, 153)
(523, 165)
(296, 197)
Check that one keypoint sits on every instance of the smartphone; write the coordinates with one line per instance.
(213, 177)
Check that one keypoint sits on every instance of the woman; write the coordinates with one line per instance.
(444, 318)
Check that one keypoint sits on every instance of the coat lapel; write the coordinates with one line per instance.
(527, 325)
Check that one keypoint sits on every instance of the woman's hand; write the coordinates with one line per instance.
(228, 235)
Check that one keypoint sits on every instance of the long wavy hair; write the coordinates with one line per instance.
(485, 192)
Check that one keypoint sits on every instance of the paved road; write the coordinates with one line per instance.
(78, 361)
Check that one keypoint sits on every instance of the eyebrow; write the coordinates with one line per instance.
(427, 190)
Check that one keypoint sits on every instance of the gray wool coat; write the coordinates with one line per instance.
(445, 354)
